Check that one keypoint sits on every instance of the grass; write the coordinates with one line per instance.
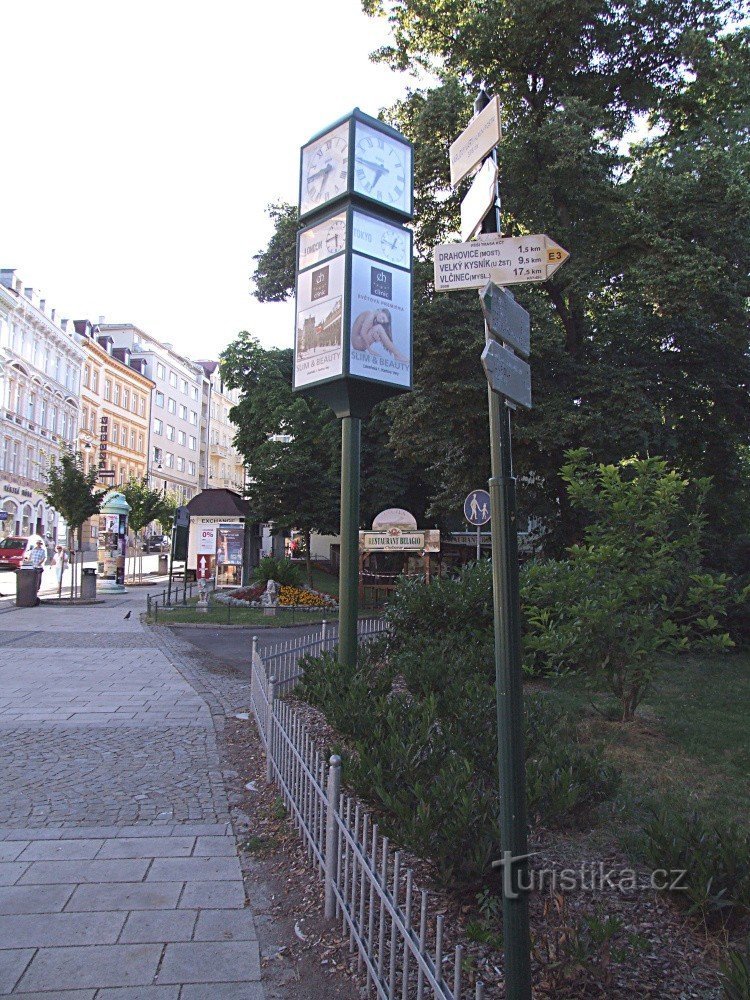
(227, 614)
(690, 740)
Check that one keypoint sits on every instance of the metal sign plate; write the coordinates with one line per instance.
(505, 260)
(480, 136)
(479, 200)
(477, 507)
(506, 319)
(507, 375)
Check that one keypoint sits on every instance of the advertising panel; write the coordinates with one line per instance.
(318, 352)
(229, 540)
(207, 541)
(380, 347)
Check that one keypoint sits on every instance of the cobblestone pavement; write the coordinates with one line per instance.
(119, 876)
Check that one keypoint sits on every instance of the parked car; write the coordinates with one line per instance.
(156, 543)
(13, 552)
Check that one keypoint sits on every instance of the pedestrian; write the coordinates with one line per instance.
(38, 557)
(60, 561)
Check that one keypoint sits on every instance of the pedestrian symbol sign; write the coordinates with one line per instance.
(477, 507)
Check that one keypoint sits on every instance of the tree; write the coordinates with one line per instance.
(146, 505)
(289, 442)
(71, 492)
(274, 275)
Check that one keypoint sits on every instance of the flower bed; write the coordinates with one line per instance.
(289, 597)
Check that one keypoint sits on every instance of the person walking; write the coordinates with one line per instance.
(38, 557)
(60, 561)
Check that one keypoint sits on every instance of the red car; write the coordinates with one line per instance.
(12, 552)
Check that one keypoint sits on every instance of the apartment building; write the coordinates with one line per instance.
(115, 413)
(178, 398)
(226, 469)
(40, 370)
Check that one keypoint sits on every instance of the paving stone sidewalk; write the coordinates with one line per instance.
(119, 876)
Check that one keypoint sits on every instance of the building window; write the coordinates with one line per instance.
(126, 399)
(117, 394)
(115, 433)
(53, 420)
(16, 457)
(95, 381)
(107, 389)
(183, 412)
(173, 380)
(132, 440)
(170, 432)
(86, 376)
(180, 464)
(6, 453)
(193, 417)
(134, 407)
(181, 438)
(159, 398)
(161, 371)
(92, 425)
(157, 455)
(195, 392)
(158, 426)
(171, 405)
(169, 460)
(85, 416)
(141, 406)
(29, 463)
(124, 436)
(192, 443)
(185, 387)
(140, 443)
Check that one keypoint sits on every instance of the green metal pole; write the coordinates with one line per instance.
(351, 430)
(508, 680)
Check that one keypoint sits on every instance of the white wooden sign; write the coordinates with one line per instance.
(504, 260)
(480, 136)
(479, 200)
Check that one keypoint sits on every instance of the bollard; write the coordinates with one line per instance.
(323, 626)
(253, 653)
(332, 841)
(269, 728)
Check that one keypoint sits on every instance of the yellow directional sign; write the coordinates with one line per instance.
(506, 261)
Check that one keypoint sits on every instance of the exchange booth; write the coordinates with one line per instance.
(395, 547)
(219, 547)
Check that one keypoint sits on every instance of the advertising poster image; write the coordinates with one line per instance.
(229, 539)
(380, 347)
(318, 353)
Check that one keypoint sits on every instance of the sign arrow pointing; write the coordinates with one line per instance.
(506, 260)
(507, 375)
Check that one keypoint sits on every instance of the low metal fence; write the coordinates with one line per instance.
(178, 594)
(367, 887)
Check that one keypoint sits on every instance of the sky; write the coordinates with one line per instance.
(143, 142)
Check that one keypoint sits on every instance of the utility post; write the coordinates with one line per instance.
(488, 263)
(353, 343)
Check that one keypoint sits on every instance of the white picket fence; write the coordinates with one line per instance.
(366, 885)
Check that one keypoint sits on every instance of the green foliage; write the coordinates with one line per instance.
(425, 751)
(634, 588)
(146, 504)
(274, 274)
(734, 973)
(284, 572)
(71, 491)
(715, 859)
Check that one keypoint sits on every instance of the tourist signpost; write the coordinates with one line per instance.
(488, 263)
(353, 340)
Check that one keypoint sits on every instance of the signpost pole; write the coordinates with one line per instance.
(479, 542)
(351, 430)
(510, 733)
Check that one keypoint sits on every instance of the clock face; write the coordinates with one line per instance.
(382, 168)
(325, 167)
(381, 239)
(336, 236)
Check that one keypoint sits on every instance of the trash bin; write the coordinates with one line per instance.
(27, 586)
(163, 563)
(88, 582)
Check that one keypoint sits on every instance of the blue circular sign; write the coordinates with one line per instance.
(477, 507)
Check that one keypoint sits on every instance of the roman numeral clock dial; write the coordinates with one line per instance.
(382, 168)
(325, 166)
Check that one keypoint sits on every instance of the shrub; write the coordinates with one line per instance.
(715, 858)
(423, 732)
(734, 974)
(282, 571)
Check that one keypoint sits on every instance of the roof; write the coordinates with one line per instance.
(214, 503)
(209, 367)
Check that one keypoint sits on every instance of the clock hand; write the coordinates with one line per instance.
(325, 170)
(373, 166)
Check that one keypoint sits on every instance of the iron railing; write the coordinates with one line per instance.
(367, 887)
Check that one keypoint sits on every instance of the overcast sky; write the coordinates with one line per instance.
(141, 143)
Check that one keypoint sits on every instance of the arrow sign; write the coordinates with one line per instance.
(507, 374)
(205, 568)
(479, 200)
(480, 136)
(505, 319)
(506, 261)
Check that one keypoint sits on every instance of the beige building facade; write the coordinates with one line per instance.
(115, 413)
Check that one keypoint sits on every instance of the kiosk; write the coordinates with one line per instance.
(112, 542)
